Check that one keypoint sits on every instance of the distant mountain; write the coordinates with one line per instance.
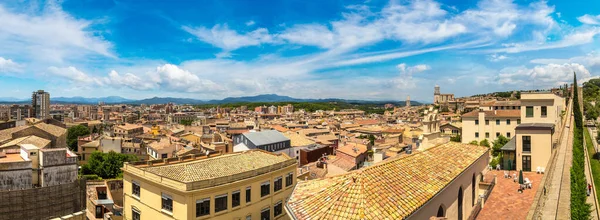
(79, 99)
(11, 99)
(164, 100)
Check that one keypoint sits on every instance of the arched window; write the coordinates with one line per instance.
(473, 190)
(440, 212)
(460, 203)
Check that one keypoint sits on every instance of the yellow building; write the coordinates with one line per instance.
(480, 125)
(245, 185)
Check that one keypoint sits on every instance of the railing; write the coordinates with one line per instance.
(477, 208)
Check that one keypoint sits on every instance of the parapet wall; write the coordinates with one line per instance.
(44, 202)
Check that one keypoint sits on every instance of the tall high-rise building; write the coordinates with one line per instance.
(407, 101)
(40, 102)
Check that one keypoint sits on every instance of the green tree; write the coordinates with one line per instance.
(580, 209)
(456, 138)
(499, 143)
(106, 165)
(75, 132)
(485, 143)
(186, 122)
(371, 140)
(94, 130)
(474, 142)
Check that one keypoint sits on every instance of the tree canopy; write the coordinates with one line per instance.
(106, 165)
(75, 132)
(499, 143)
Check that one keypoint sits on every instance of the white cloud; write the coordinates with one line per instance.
(310, 34)
(577, 37)
(51, 35)
(74, 75)
(542, 76)
(405, 80)
(250, 23)
(589, 19)
(496, 57)
(128, 80)
(222, 37)
(7, 66)
(173, 78)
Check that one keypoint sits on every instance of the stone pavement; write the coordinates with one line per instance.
(592, 198)
(557, 204)
(506, 202)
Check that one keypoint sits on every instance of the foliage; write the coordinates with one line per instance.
(445, 109)
(75, 132)
(594, 163)
(106, 165)
(371, 140)
(485, 143)
(499, 143)
(94, 130)
(456, 138)
(494, 162)
(474, 142)
(91, 177)
(186, 122)
(579, 208)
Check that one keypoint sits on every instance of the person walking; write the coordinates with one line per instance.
(589, 191)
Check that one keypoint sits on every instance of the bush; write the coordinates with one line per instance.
(494, 162)
(485, 143)
(474, 143)
(91, 177)
(456, 138)
(580, 209)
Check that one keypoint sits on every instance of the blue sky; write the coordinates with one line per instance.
(373, 50)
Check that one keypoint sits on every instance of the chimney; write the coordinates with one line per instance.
(166, 161)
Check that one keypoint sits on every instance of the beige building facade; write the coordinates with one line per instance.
(246, 185)
(480, 125)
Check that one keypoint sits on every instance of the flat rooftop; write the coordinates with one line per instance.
(11, 158)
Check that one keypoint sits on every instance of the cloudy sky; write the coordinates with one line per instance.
(371, 50)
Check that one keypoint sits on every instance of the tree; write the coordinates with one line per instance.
(95, 130)
(371, 140)
(186, 122)
(456, 138)
(499, 143)
(474, 142)
(75, 132)
(485, 143)
(106, 165)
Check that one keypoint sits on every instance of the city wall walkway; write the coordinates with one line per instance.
(588, 176)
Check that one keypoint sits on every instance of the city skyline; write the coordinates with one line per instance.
(369, 50)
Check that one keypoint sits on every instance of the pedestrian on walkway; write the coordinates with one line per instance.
(589, 189)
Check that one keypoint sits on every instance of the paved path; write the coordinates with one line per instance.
(559, 192)
(592, 198)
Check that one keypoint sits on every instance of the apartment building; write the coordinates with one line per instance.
(128, 130)
(480, 125)
(535, 137)
(245, 185)
(40, 102)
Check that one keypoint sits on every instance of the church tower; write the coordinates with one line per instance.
(408, 101)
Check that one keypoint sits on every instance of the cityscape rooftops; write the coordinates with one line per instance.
(353, 149)
(217, 169)
(394, 189)
(35, 140)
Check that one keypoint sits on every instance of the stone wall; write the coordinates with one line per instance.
(15, 175)
(57, 175)
(44, 202)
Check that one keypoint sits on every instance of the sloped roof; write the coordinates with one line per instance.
(52, 129)
(265, 137)
(33, 140)
(394, 189)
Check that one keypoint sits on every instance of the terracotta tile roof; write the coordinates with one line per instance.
(128, 126)
(6, 134)
(390, 190)
(495, 113)
(279, 128)
(367, 122)
(34, 140)
(298, 140)
(52, 129)
(219, 166)
(349, 149)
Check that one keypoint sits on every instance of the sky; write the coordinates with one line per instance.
(370, 50)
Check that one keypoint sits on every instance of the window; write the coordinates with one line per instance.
(135, 188)
(544, 111)
(163, 156)
(167, 203)
(497, 134)
(277, 209)
(526, 163)
(277, 184)
(487, 134)
(518, 121)
(249, 217)
(529, 111)
(202, 207)
(476, 122)
(507, 121)
(289, 179)
(497, 121)
(220, 203)
(526, 143)
(32, 154)
(235, 198)
(265, 189)
(265, 214)
(508, 134)
(487, 122)
(476, 134)
(98, 211)
(135, 214)
(248, 194)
